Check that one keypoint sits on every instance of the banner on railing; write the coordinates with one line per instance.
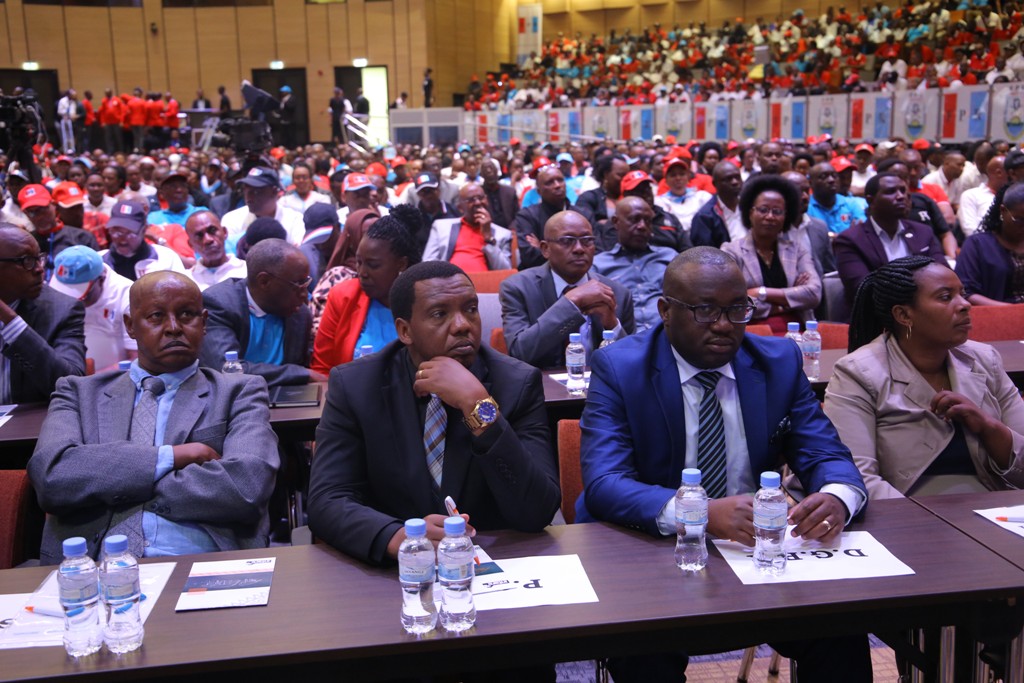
(870, 116)
(601, 122)
(965, 114)
(828, 115)
(788, 118)
(916, 114)
(675, 120)
(749, 119)
(1007, 111)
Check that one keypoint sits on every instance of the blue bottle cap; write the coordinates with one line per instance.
(124, 365)
(811, 324)
(575, 338)
(366, 349)
(117, 543)
(75, 546)
(770, 480)
(792, 327)
(415, 528)
(608, 334)
(455, 526)
(691, 476)
(231, 355)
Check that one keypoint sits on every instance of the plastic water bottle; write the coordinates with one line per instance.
(691, 523)
(416, 572)
(364, 350)
(770, 514)
(231, 365)
(812, 350)
(124, 365)
(576, 365)
(455, 574)
(607, 338)
(793, 332)
(119, 586)
(79, 596)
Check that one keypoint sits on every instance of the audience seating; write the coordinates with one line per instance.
(569, 476)
(997, 323)
(14, 509)
(498, 340)
(834, 335)
(490, 312)
(488, 283)
(760, 330)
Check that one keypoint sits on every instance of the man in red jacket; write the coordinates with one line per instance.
(171, 108)
(137, 119)
(111, 115)
(155, 120)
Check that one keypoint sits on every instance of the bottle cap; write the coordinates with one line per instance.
(691, 476)
(770, 480)
(455, 526)
(608, 335)
(415, 528)
(366, 349)
(231, 355)
(75, 546)
(575, 338)
(117, 543)
(811, 324)
(124, 365)
(792, 327)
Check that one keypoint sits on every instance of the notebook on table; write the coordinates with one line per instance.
(295, 396)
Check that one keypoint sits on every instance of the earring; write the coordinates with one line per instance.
(910, 329)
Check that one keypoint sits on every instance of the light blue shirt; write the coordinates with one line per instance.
(168, 216)
(844, 213)
(641, 273)
(163, 537)
(9, 333)
(266, 335)
(379, 328)
(584, 330)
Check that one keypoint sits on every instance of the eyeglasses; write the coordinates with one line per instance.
(765, 211)
(28, 262)
(297, 285)
(569, 242)
(706, 314)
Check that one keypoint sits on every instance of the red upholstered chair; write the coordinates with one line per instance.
(760, 330)
(834, 335)
(498, 340)
(14, 505)
(569, 476)
(997, 323)
(490, 281)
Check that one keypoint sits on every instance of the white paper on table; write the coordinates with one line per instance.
(38, 630)
(227, 583)
(1016, 511)
(534, 581)
(858, 555)
(563, 377)
(5, 412)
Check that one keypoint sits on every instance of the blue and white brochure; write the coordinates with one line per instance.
(227, 583)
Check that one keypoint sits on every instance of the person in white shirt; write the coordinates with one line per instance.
(681, 201)
(260, 189)
(207, 236)
(80, 273)
(67, 114)
(130, 255)
(863, 155)
(974, 203)
(948, 177)
(305, 193)
(1016, 63)
(96, 200)
(1000, 71)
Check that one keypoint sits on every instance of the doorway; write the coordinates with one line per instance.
(272, 80)
(374, 82)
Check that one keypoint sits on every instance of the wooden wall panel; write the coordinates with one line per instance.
(15, 34)
(587, 23)
(290, 21)
(217, 43)
(156, 50)
(550, 6)
(585, 5)
(400, 73)
(622, 17)
(658, 14)
(337, 33)
(725, 10)
(357, 38)
(51, 52)
(130, 58)
(619, 4)
(380, 27)
(256, 38)
(419, 45)
(319, 72)
(555, 23)
(6, 49)
(90, 50)
(182, 46)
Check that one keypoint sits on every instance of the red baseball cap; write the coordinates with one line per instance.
(863, 147)
(376, 168)
(34, 195)
(356, 181)
(841, 164)
(921, 144)
(539, 163)
(671, 162)
(631, 180)
(399, 161)
(68, 194)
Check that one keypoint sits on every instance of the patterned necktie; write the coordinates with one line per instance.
(433, 438)
(711, 437)
(144, 416)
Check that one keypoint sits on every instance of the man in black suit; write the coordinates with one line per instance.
(42, 332)
(529, 222)
(371, 469)
(541, 306)
(263, 316)
(886, 234)
(718, 220)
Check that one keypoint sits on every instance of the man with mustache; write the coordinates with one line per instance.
(180, 459)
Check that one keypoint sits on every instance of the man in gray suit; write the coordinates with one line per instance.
(264, 316)
(179, 458)
(42, 332)
(540, 306)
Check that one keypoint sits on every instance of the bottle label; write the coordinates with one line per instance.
(770, 519)
(694, 516)
(121, 592)
(455, 572)
(76, 594)
(416, 574)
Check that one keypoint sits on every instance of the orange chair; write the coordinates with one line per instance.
(569, 476)
(498, 340)
(834, 335)
(14, 509)
(90, 367)
(997, 323)
(760, 330)
(490, 281)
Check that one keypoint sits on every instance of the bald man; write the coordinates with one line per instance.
(42, 332)
(180, 459)
(541, 306)
(633, 262)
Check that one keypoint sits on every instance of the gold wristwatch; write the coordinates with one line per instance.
(484, 413)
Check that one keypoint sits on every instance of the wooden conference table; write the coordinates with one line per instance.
(330, 616)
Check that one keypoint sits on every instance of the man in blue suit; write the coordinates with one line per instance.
(634, 444)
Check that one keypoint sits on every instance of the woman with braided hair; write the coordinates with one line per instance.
(922, 409)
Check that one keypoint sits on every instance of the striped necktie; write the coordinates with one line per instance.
(711, 437)
(143, 433)
(433, 438)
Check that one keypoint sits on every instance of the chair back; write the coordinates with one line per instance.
(834, 335)
(760, 330)
(498, 340)
(488, 282)
(14, 505)
(997, 323)
(570, 478)
(490, 311)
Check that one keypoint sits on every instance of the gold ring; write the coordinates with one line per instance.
(419, 374)
(828, 525)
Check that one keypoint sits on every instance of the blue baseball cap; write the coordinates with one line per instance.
(286, 88)
(75, 269)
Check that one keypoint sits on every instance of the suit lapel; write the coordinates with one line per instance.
(916, 388)
(547, 288)
(753, 393)
(873, 245)
(114, 409)
(967, 380)
(189, 406)
(669, 392)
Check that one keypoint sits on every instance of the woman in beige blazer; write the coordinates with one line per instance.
(922, 409)
(779, 271)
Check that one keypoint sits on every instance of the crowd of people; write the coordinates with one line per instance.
(919, 45)
(325, 263)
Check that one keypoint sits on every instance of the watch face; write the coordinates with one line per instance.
(487, 412)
